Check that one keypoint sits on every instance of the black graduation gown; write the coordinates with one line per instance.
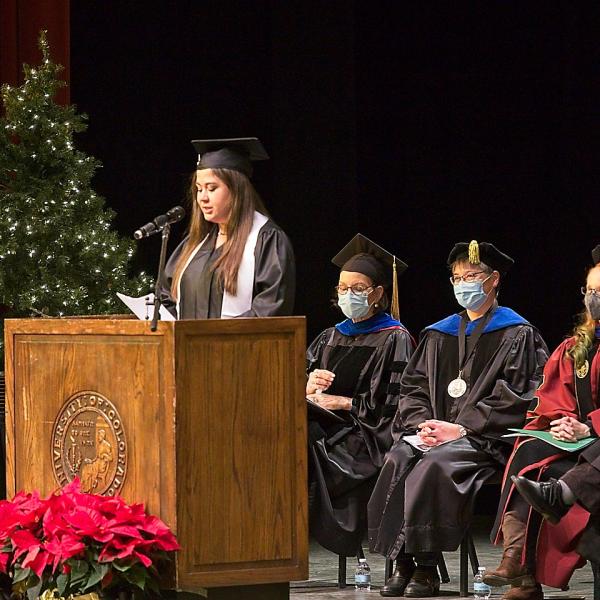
(344, 458)
(202, 293)
(423, 502)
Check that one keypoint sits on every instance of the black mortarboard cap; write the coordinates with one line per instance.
(596, 254)
(481, 252)
(362, 255)
(236, 154)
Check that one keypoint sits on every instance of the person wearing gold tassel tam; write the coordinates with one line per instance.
(354, 371)
(471, 377)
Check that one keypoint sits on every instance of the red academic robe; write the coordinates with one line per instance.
(556, 558)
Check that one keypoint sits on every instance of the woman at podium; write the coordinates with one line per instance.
(234, 261)
(354, 373)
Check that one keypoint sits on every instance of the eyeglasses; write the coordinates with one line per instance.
(358, 289)
(468, 278)
(592, 291)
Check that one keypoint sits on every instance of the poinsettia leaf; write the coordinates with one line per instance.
(34, 592)
(119, 566)
(62, 581)
(137, 575)
(96, 577)
(79, 571)
(21, 574)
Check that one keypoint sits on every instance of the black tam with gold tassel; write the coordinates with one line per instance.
(361, 255)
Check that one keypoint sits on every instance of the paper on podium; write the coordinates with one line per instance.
(143, 307)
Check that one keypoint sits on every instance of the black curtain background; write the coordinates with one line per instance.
(417, 124)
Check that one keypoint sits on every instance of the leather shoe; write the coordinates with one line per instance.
(424, 583)
(397, 583)
(545, 497)
(528, 590)
(509, 572)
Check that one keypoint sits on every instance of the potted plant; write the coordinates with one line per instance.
(71, 544)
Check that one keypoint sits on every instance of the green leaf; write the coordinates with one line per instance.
(100, 571)
(137, 575)
(62, 581)
(79, 571)
(21, 574)
(34, 592)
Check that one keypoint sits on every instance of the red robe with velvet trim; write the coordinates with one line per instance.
(556, 558)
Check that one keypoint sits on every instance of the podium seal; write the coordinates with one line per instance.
(88, 441)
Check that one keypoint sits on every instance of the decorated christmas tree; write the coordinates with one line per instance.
(58, 253)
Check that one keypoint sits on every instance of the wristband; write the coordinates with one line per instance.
(462, 431)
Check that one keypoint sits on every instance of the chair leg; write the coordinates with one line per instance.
(443, 569)
(341, 572)
(472, 553)
(596, 572)
(464, 569)
(389, 569)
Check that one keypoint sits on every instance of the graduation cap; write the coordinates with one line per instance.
(481, 252)
(361, 255)
(596, 254)
(236, 154)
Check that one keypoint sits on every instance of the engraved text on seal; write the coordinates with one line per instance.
(88, 442)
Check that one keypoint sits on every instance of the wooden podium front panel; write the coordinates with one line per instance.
(241, 452)
(120, 361)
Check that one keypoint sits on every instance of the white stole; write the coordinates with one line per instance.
(242, 301)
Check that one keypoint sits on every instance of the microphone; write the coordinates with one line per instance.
(175, 214)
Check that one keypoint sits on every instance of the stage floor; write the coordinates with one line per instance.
(323, 573)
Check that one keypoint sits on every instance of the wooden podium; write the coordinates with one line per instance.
(203, 421)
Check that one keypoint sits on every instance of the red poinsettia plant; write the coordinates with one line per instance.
(72, 543)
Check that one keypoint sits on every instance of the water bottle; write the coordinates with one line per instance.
(481, 590)
(362, 575)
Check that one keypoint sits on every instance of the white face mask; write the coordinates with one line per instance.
(354, 306)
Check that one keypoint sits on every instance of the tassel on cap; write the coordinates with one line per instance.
(474, 258)
(395, 306)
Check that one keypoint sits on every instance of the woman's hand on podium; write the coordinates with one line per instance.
(330, 401)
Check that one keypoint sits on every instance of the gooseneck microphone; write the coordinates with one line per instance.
(157, 225)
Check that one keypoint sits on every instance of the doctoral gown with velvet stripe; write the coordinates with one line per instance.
(423, 502)
(344, 458)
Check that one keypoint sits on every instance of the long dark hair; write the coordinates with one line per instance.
(244, 202)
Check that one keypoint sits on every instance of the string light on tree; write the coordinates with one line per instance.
(55, 232)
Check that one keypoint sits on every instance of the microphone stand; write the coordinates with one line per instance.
(161, 269)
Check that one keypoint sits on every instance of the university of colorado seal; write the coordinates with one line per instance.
(88, 442)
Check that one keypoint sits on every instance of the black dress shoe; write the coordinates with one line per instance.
(544, 496)
(397, 583)
(424, 583)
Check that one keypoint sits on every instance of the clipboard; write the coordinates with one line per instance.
(319, 413)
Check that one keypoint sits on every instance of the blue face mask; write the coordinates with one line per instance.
(592, 303)
(354, 306)
(470, 295)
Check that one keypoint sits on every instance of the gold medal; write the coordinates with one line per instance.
(583, 370)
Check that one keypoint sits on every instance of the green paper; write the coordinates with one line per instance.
(546, 436)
